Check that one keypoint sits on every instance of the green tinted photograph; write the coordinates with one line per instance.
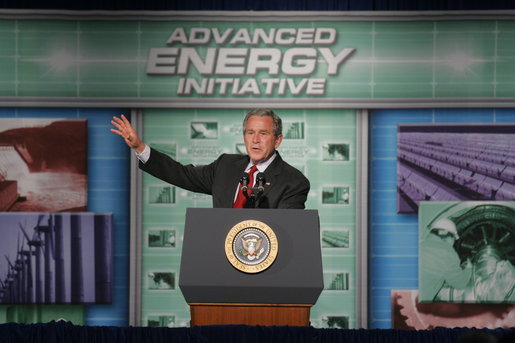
(466, 252)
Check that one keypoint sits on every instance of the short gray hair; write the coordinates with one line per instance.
(263, 112)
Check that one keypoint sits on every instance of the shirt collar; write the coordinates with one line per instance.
(262, 166)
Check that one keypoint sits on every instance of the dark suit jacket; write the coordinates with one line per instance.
(286, 187)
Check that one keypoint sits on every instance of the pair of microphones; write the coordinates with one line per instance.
(255, 192)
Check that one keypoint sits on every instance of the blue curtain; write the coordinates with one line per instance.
(263, 5)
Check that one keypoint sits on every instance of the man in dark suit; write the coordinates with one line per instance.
(283, 186)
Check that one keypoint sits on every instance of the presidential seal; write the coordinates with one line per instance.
(251, 246)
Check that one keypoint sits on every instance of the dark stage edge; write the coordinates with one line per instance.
(66, 332)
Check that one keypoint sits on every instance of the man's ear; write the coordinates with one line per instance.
(278, 140)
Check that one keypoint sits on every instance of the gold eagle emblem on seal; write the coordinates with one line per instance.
(251, 246)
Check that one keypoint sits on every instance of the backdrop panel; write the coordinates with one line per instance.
(320, 143)
(354, 61)
(394, 236)
(107, 191)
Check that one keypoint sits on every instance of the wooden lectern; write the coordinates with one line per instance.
(220, 294)
(250, 314)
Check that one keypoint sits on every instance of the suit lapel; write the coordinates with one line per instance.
(272, 173)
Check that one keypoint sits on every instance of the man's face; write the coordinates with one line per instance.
(259, 138)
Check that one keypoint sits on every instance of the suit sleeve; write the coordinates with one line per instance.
(193, 178)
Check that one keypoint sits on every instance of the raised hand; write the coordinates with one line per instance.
(127, 132)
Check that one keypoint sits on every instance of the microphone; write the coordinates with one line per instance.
(260, 182)
(244, 180)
